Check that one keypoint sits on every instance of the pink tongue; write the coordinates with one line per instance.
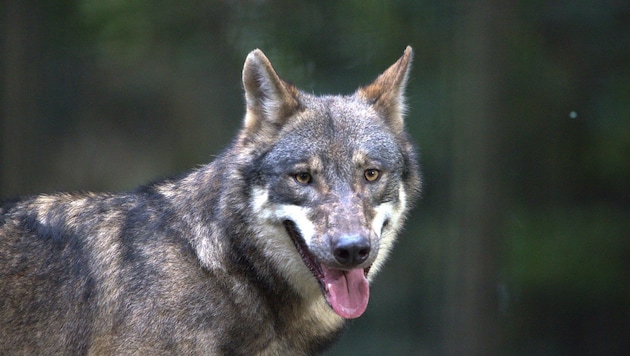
(347, 291)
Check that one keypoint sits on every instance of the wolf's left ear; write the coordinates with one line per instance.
(387, 92)
(270, 100)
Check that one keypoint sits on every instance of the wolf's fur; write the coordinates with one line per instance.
(250, 254)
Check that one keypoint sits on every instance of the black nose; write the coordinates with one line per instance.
(351, 250)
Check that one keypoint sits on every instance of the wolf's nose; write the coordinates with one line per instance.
(351, 250)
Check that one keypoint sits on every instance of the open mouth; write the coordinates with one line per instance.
(346, 291)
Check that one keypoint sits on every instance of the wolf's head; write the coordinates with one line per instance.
(331, 179)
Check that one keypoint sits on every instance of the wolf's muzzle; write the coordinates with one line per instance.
(351, 250)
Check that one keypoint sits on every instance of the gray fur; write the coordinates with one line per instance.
(208, 263)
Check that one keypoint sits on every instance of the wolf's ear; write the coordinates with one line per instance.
(387, 92)
(270, 100)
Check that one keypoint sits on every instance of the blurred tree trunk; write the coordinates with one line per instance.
(470, 313)
(21, 42)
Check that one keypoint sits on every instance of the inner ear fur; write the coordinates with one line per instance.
(387, 92)
(269, 99)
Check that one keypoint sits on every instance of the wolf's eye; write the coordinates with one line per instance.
(303, 177)
(371, 175)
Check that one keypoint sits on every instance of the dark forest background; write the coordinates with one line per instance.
(521, 111)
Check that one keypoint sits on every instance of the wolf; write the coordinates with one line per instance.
(267, 250)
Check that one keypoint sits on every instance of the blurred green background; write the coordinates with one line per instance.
(521, 111)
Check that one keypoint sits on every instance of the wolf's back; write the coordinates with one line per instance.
(50, 284)
(77, 270)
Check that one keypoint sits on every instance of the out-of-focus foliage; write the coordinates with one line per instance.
(106, 95)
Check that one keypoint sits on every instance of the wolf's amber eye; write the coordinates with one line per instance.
(372, 175)
(303, 177)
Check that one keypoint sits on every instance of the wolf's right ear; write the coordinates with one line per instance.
(270, 100)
